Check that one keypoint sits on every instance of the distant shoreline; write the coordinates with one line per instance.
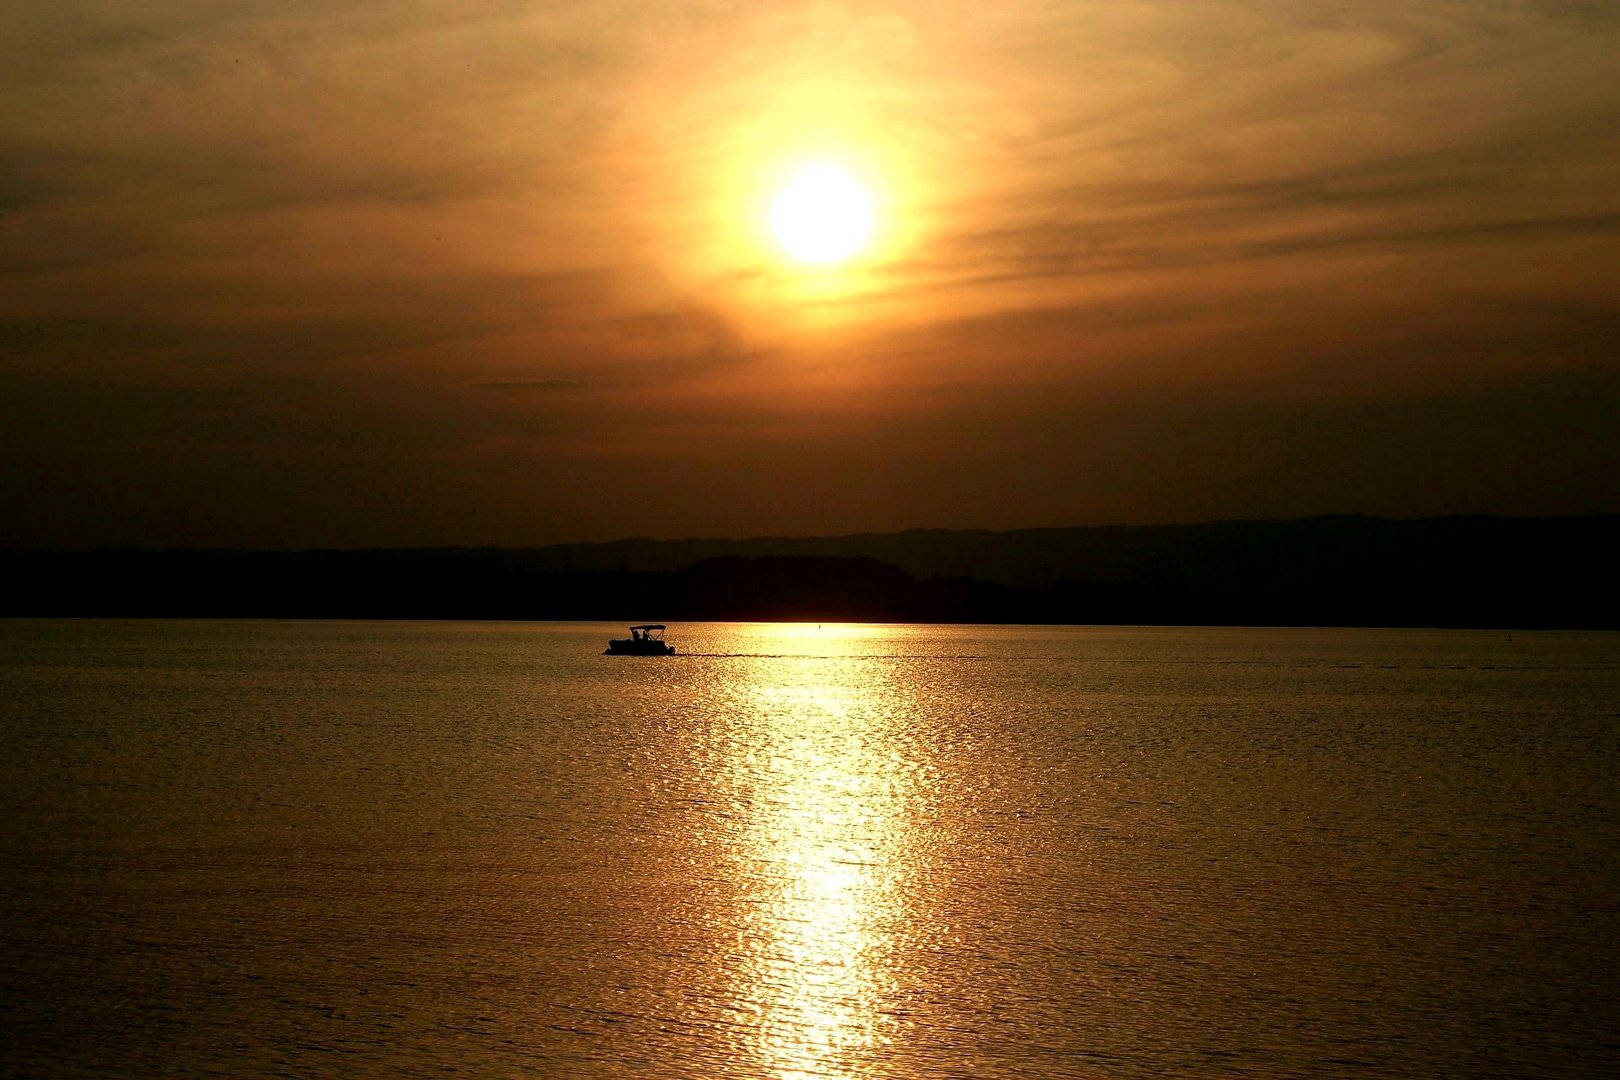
(1479, 573)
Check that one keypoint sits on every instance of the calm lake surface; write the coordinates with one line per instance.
(382, 849)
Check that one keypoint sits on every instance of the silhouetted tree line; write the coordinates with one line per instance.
(1485, 586)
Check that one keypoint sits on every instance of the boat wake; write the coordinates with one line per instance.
(846, 656)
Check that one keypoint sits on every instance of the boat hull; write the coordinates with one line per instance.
(626, 647)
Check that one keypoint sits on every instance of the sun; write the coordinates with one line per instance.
(822, 215)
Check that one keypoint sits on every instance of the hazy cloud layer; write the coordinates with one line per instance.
(378, 272)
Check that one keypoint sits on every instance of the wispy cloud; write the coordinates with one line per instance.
(528, 385)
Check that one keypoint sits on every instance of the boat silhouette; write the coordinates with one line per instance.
(644, 640)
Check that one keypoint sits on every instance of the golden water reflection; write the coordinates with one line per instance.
(828, 850)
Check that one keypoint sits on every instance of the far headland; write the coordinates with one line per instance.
(1331, 570)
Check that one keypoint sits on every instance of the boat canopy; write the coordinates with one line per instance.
(649, 626)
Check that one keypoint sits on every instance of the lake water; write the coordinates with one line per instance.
(375, 849)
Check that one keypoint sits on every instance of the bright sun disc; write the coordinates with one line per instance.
(822, 216)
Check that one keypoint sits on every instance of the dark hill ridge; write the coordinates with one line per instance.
(1243, 554)
(1462, 571)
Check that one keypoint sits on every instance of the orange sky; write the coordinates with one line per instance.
(378, 273)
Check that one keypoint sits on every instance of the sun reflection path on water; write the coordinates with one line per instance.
(827, 850)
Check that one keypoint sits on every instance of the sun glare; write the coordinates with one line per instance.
(822, 216)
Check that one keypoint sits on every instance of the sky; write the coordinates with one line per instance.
(389, 273)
